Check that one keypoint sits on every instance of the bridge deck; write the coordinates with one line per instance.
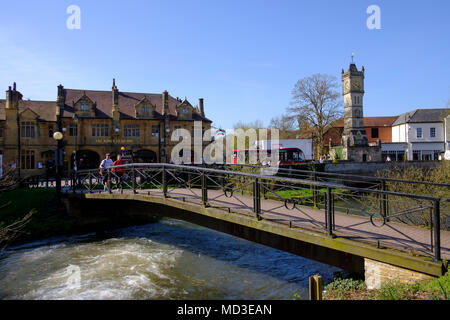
(358, 228)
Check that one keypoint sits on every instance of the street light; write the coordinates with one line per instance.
(75, 161)
(58, 136)
(75, 134)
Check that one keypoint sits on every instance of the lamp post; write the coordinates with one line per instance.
(58, 136)
(75, 134)
(75, 162)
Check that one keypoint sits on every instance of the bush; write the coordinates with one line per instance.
(345, 284)
(438, 174)
(341, 288)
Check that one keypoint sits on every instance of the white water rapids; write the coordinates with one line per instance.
(169, 259)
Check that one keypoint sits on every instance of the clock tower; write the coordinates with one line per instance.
(353, 91)
(354, 138)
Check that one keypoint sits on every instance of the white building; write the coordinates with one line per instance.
(421, 134)
(447, 137)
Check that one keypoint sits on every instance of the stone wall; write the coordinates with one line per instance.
(371, 153)
(373, 167)
(377, 273)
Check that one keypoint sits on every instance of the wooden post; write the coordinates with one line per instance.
(315, 287)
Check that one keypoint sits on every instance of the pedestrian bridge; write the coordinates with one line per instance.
(345, 226)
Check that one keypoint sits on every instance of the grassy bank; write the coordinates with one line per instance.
(355, 289)
(49, 219)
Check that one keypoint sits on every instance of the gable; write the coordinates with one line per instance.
(145, 108)
(84, 106)
(28, 114)
(184, 110)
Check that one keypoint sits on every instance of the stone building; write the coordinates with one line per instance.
(354, 138)
(93, 123)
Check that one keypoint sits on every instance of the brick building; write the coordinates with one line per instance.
(93, 123)
(377, 128)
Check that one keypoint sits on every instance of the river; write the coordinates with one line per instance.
(169, 259)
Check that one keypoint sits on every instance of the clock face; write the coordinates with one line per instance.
(356, 85)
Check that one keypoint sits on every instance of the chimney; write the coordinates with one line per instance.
(115, 91)
(61, 99)
(165, 103)
(13, 97)
(200, 104)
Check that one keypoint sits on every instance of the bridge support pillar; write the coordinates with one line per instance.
(378, 273)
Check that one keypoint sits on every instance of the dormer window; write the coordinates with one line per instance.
(185, 110)
(144, 108)
(84, 106)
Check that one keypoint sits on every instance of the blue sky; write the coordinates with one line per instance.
(242, 57)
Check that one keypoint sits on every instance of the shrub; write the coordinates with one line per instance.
(439, 174)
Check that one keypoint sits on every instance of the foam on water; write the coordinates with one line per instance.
(165, 260)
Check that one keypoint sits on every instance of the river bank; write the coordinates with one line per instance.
(49, 217)
(168, 259)
(52, 220)
(348, 288)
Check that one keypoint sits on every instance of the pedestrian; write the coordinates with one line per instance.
(104, 170)
(119, 172)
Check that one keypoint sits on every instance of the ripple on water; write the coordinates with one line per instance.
(165, 260)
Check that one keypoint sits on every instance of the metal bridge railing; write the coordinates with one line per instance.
(366, 214)
(440, 190)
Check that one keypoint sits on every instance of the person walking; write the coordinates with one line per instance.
(119, 172)
(104, 168)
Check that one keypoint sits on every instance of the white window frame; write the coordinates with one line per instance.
(417, 133)
(433, 132)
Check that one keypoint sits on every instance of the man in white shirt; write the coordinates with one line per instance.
(104, 165)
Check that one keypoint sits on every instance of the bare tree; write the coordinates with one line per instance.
(315, 99)
(257, 124)
(9, 233)
(286, 126)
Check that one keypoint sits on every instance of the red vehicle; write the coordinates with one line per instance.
(286, 156)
